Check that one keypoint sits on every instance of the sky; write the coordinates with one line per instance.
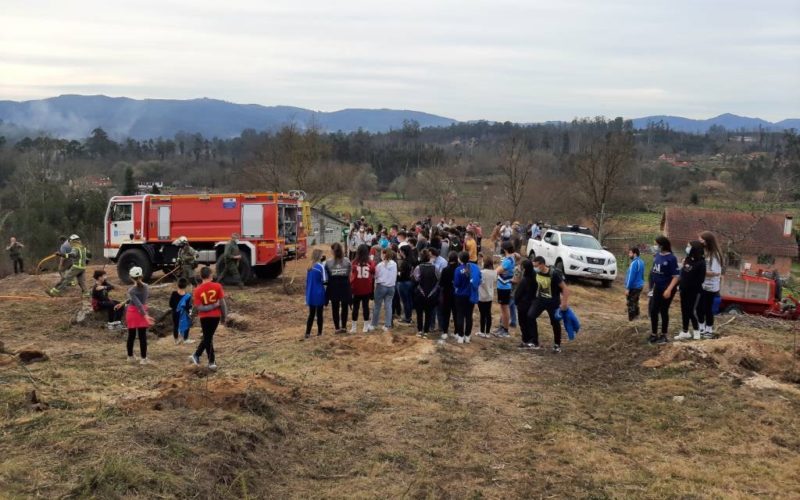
(523, 61)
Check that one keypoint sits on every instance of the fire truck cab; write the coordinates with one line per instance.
(141, 230)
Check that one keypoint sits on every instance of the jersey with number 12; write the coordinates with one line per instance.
(207, 294)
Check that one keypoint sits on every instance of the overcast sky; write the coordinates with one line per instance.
(523, 61)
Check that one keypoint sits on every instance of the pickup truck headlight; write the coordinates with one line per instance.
(576, 257)
(612, 260)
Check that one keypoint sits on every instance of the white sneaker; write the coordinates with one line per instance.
(466, 339)
(385, 329)
(111, 326)
(131, 359)
(353, 327)
(188, 341)
(443, 336)
(195, 361)
(368, 327)
(212, 367)
(144, 361)
(460, 339)
(683, 336)
(696, 334)
(178, 341)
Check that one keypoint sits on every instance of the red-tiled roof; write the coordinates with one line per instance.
(744, 232)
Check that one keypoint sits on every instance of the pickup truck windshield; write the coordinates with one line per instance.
(580, 241)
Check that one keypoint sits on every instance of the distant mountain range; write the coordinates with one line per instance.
(727, 120)
(75, 116)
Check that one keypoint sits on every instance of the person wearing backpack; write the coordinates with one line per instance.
(426, 292)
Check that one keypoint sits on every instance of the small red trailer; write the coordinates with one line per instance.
(752, 294)
(140, 230)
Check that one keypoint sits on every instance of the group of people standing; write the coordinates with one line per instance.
(438, 274)
(697, 276)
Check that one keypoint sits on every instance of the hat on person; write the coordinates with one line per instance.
(135, 272)
(74, 237)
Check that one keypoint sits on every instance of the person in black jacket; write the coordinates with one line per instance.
(524, 297)
(693, 273)
(426, 292)
(102, 302)
(447, 295)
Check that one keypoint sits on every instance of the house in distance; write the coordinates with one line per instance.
(749, 240)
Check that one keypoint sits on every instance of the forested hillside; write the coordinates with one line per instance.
(571, 171)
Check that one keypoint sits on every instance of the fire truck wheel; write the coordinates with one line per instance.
(130, 258)
(270, 271)
(245, 270)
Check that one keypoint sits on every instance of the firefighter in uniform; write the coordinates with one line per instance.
(187, 259)
(79, 255)
(230, 263)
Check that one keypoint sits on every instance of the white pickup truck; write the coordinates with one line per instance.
(576, 253)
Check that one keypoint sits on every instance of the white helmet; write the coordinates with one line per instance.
(74, 237)
(183, 240)
(135, 272)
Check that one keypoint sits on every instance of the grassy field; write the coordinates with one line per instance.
(393, 415)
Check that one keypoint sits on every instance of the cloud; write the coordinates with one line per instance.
(501, 59)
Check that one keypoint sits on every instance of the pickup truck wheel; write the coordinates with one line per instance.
(133, 257)
(532, 255)
(607, 283)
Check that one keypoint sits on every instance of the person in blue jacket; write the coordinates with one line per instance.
(466, 283)
(634, 282)
(663, 279)
(316, 277)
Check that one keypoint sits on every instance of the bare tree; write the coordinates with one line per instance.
(600, 172)
(294, 159)
(517, 168)
(437, 186)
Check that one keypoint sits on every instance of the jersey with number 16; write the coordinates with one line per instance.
(362, 278)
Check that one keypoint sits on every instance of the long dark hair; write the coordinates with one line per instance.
(695, 252)
(362, 254)
(463, 257)
(664, 243)
(527, 269)
(712, 247)
(338, 252)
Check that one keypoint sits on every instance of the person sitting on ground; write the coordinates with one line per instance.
(102, 302)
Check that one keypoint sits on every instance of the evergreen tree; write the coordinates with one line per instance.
(130, 183)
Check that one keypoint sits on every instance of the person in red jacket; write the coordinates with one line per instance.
(209, 300)
(362, 279)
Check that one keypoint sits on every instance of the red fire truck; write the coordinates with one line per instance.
(140, 230)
